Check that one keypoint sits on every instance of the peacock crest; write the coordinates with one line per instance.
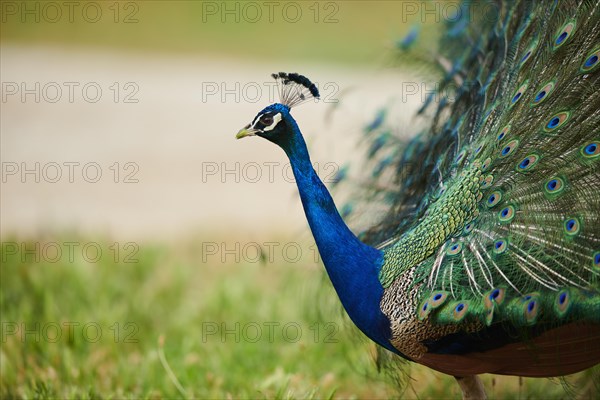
(295, 89)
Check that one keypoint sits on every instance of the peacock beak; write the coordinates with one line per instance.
(246, 131)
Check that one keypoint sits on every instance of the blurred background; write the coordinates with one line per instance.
(151, 94)
(148, 254)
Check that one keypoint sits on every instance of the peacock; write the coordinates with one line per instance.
(486, 256)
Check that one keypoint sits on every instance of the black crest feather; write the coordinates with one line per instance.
(294, 88)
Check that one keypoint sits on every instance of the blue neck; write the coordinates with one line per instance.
(352, 266)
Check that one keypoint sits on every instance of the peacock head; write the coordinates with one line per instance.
(275, 123)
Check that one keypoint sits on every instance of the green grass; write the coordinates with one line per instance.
(170, 305)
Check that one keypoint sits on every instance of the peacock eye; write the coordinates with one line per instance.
(266, 120)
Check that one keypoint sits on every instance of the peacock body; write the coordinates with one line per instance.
(487, 258)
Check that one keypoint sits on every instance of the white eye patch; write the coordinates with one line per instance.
(276, 119)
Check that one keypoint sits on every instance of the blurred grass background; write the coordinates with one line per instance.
(157, 314)
(167, 303)
(354, 32)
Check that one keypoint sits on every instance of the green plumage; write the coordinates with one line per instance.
(494, 214)
(446, 217)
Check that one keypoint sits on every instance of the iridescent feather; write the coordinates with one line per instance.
(517, 147)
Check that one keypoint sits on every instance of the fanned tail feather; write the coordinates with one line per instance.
(518, 108)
